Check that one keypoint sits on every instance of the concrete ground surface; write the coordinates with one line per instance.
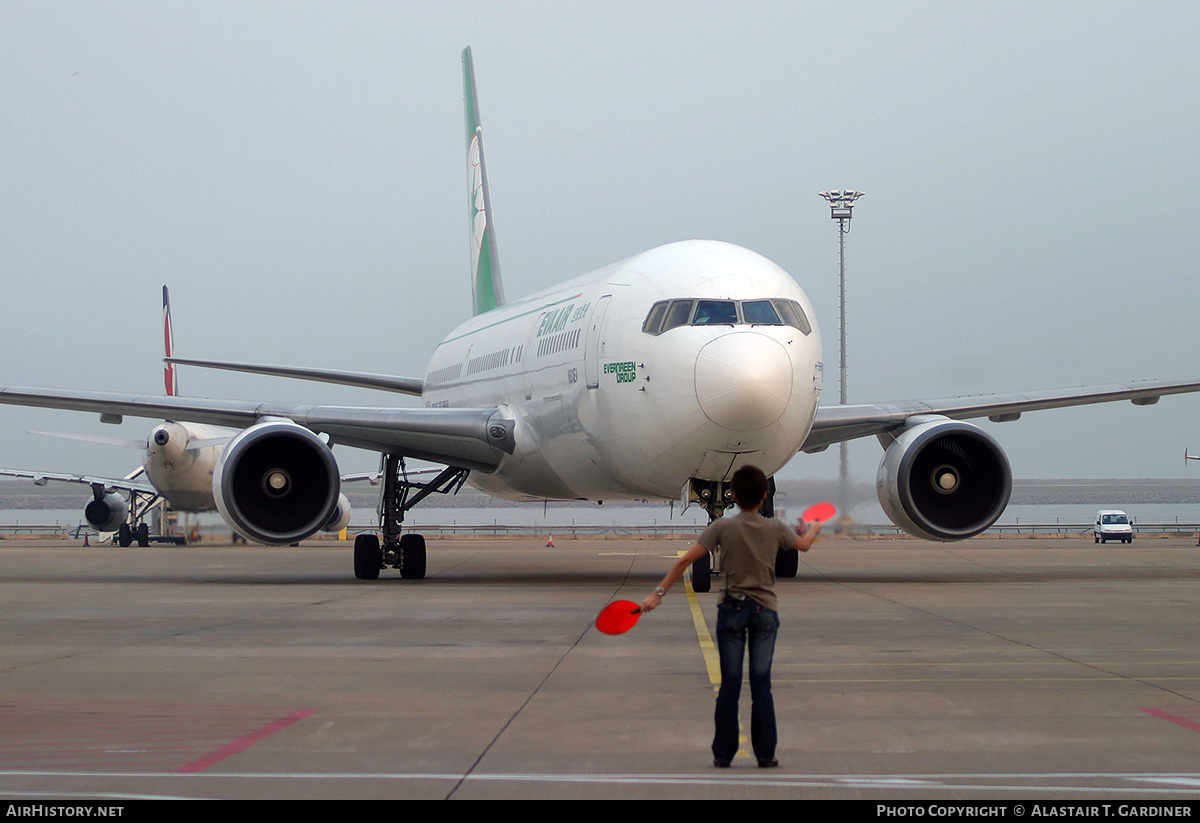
(905, 670)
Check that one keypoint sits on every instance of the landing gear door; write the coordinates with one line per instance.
(594, 350)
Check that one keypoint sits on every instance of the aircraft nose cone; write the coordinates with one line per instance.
(743, 381)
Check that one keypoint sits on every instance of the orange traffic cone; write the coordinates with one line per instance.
(85, 539)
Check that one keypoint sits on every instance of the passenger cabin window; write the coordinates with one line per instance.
(668, 314)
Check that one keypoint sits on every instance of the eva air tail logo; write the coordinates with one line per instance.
(481, 256)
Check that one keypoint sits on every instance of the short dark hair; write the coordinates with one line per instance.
(749, 486)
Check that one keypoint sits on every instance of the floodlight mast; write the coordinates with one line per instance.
(841, 209)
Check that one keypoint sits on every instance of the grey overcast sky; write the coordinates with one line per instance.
(295, 172)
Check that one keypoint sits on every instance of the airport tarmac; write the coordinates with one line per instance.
(905, 670)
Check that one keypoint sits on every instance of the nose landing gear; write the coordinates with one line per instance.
(716, 496)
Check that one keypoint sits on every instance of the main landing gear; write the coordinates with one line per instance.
(126, 534)
(134, 527)
(716, 496)
(405, 552)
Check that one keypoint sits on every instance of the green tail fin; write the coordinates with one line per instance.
(487, 290)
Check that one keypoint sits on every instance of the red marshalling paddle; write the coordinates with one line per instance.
(618, 617)
(819, 512)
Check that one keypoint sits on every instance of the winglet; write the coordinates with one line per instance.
(169, 342)
(487, 290)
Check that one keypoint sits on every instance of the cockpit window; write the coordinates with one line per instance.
(779, 311)
(654, 319)
(793, 315)
(760, 312)
(679, 314)
(715, 313)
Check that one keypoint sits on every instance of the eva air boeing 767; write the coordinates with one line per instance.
(653, 378)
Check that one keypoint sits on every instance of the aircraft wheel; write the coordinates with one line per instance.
(124, 536)
(702, 574)
(412, 556)
(368, 559)
(143, 535)
(787, 562)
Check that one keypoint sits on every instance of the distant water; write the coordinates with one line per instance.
(1063, 513)
(618, 517)
(533, 515)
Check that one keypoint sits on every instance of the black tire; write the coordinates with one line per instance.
(702, 574)
(412, 556)
(124, 535)
(368, 558)
(787, 562)
(143, 535)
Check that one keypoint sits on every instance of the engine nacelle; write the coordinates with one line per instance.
(341, 516)
(944, 480)
(277, 483)
(107, 512)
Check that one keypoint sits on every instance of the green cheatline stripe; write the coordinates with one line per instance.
(511, 317)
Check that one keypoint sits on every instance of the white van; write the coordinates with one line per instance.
(1112, 524)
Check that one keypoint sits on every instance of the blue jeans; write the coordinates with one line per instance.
(739, 621)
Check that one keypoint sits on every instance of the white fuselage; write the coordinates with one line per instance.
(180, 469)
(606, 410)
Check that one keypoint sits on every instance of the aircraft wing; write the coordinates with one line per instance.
(124, 484)
(362, 380)
(123, 442)
(835, 424)
(468, 438)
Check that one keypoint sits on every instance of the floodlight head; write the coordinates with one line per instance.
(841, 204)
(841, 196)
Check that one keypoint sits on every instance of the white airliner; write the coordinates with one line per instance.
(652, 378)
(179, 462)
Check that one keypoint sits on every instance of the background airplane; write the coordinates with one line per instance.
(177, 467)
(651, 378)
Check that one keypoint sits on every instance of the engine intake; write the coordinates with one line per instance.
(277, 483)
(944, 480)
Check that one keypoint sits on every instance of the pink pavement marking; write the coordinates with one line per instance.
(242, 743)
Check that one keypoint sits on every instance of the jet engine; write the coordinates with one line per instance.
(341, 516)
(106, 512)
(277, 483)
(943, 479)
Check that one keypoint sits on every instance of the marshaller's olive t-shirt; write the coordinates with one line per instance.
(748, 543)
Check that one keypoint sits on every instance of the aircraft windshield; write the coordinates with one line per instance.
(715, 313)
(669, 314)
